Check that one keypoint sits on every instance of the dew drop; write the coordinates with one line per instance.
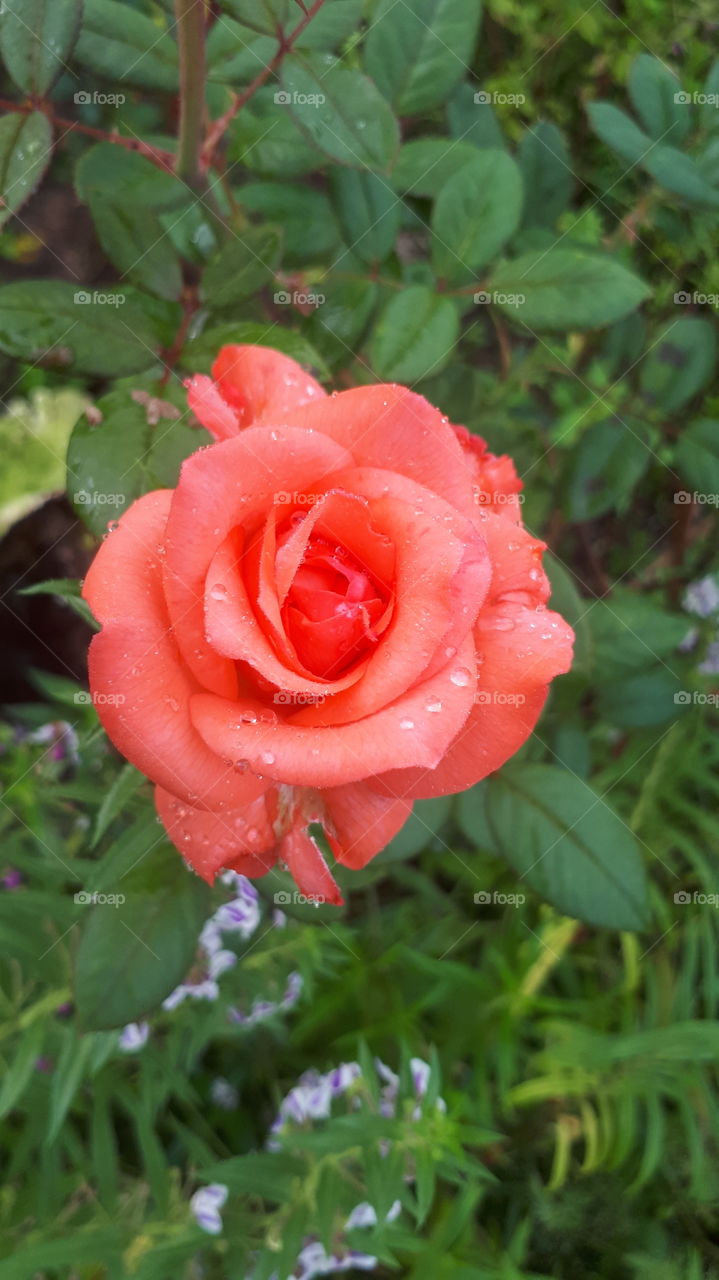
(173, 704)
(406, 723)
(433, 704)
(460, 677)
(218, 592)
(267, 757)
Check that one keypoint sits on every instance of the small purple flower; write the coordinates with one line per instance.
(133, 1036)
(363, 1215)
(702, 597)
(205, 1206)
(12, 879)
(44, 1064)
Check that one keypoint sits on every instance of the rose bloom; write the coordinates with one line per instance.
(337, 611)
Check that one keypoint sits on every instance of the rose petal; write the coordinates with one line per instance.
(517, 662)
(258, 382)
(229, 484)
(416, 729)
(239, 840)
(390, 427)
(205, 401)
(364, 822)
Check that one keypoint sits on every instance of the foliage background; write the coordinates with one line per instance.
(572, 1034)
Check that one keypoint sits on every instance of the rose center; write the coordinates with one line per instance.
(332, 609)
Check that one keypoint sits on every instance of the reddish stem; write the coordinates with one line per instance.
(163, 159)
(286, 43)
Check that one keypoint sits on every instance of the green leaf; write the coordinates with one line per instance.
(270, 143)
(235, 53)
(261, 1173)
(653, 90)
(108, 333)
(472, 121)
(122, 789)
(414, 336)
(137, 244)
(369, 213)
(112, 462)
(342, 112)
(425, 165)
(676, 368)
(66, 1080)
(709, 111)
(568, 844)
(36, 40)
(126, 46)
(680, 174)
(565, 599)
(476, 212)
(133, 953)
(610, 460)
(618, 131)
(546, 169)
(417, 53)
(568, 288)
(18, 1074)
(631, 632)
(337, 327)
(25, 151)
(67, 589)
(265, 16)
(242, 266)
(642, 700)
(109, 172)
(697, 455)
(306, 217)
(472, 817)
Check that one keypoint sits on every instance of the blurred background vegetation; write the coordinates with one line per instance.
(546, 1031)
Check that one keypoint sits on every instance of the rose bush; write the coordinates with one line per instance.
(336, 612)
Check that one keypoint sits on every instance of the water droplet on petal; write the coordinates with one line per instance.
(460, 677)
(267, 757)
(406, 723)
(433, 704)
(219, 591)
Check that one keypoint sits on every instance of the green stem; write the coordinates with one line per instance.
(190, 16)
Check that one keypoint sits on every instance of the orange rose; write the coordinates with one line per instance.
(336, 612)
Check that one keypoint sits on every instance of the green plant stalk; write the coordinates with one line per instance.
(190, 16)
